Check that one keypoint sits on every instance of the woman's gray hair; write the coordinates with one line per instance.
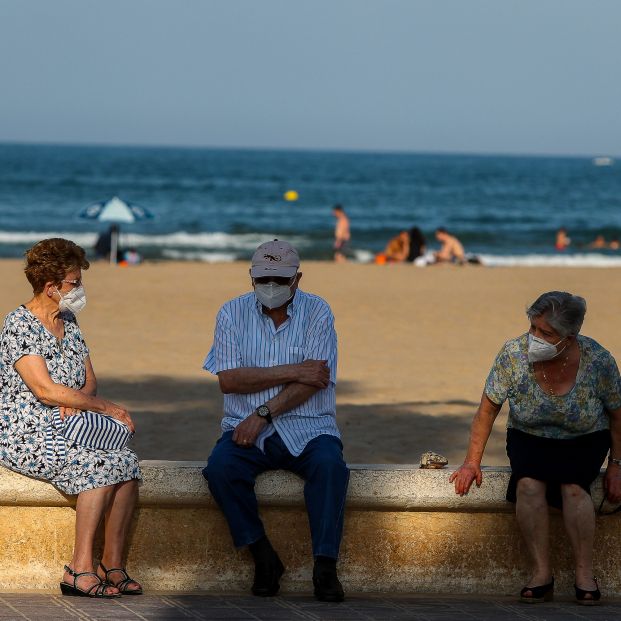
(563, 311)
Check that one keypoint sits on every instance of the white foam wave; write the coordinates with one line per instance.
(207, 257)
(543, 260)
(30, 237)
(363, 256)
(179, 239)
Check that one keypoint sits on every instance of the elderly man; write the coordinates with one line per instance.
(274, 353)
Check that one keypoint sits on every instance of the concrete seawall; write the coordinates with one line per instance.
(405, 531)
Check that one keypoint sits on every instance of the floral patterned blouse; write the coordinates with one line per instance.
(26, 423)
(532, 410)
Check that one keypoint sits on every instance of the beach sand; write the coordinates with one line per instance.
(415, 346)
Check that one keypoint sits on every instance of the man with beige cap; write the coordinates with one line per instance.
(275, 354)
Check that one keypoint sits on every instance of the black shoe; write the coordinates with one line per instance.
(328, 588)
(538, 594)
(593, 598)
(267, 575)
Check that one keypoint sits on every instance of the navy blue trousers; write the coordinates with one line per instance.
(231, 472)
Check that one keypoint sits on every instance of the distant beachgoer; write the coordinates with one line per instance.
(406, 246)
(598, 243)
(342, 234)
(132, 257)
(562, 240)
(614, 244)
(103, 245)
(451, 250)
(417, 244)
(396, 251)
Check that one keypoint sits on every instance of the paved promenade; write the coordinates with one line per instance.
(178, 607)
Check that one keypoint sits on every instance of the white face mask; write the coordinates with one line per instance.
(540, 350)
(74, 301)
(272, 295)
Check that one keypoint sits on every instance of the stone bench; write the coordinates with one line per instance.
(405, 531)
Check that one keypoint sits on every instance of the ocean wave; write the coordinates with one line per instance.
(178, 239)
(543, 260)
(30, 237)
(206, 257)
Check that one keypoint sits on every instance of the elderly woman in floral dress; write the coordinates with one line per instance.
(564, 393)
(44, 363)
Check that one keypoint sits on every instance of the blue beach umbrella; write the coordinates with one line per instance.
(115, 211)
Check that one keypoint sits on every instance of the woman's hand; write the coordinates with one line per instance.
(464, 477)
(64, 412)
(119, 413)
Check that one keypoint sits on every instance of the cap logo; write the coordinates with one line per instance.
(271, 257)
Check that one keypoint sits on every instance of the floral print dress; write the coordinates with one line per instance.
(583, 410)
(26, 423)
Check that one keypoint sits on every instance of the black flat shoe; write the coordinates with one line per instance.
(267, 576)
(593, 599)
(328, 587)
(539, 594)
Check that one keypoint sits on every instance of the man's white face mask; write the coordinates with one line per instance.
(273, 295)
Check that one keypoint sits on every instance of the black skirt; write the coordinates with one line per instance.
(574, 460)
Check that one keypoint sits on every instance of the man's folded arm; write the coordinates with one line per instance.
(290, 397)
(246, 380)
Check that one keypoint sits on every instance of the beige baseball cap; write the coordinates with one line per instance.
(275, 258)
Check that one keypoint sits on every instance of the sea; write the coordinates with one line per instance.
(219, 204)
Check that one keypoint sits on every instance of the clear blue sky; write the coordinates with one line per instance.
(528, 76)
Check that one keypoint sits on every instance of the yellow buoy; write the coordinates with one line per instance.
(291, 195)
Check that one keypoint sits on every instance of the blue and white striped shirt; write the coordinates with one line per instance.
(246, 337)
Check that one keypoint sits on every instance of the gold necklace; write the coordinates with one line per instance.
(558, 377)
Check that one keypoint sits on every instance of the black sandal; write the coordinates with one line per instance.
(123, 583)
(583, 600)
(96, 590)
(539, 594)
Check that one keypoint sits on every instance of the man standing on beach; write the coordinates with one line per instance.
(342, 234)
(274, 353)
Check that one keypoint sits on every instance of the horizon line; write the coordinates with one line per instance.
(351, 151)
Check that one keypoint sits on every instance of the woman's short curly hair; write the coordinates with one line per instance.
(563, 311)
(50, 260)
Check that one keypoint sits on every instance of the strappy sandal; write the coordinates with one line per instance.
(583, 600)
(122, 584)
(96, 590)
(539, 594)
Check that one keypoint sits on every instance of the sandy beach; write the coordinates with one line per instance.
(415, 346)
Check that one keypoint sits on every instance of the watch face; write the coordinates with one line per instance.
(263, 411)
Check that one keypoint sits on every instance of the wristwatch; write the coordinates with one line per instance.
(264, 412)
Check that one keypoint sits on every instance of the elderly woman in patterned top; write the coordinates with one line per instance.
(44, 363)
(564, 394)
